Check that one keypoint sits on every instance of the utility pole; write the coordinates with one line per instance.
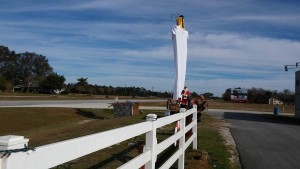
(125, 90)
(152, 92)
(297, 87)
(287, 67)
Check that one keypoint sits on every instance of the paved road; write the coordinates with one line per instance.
(74, 103)
(263, 141)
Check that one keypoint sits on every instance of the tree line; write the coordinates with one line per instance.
(33, 73)
(83, 87)
(27, 69)
(262, 96)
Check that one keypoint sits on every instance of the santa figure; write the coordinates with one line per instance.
(185, 98)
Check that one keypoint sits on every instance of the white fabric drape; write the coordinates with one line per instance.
(179, 37)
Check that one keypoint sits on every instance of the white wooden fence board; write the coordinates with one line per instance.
(58, 153)
(169, 119)
(167, 142)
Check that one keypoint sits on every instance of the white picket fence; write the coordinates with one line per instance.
(51, 155)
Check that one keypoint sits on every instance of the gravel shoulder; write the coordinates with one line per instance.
(230, 143)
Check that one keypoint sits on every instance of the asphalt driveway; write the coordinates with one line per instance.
(264, 141)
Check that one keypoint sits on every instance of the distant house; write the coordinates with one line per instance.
(239, 94)
(275, 101)
(30, 87)
(19, 88)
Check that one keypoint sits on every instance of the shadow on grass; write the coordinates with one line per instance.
(121, 156)
(268, 118)
(124, 158)
(90, 114)
(165, 155)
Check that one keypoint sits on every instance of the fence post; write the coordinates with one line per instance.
(182, 139)
(10, 142)
(195, 127)
(151, 141)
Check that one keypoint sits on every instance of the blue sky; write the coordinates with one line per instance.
(232, 43)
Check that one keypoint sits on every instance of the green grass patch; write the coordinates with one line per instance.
(210, 141)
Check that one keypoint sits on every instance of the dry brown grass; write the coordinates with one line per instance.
(49, 125)
(250, 107)
(212, 104)
(24, 96)
(25, 120)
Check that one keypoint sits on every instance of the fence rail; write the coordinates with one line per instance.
(51, 155)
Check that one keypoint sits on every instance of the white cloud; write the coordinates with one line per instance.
(235, 49)
(221, 61)
(216, 62)
(286, 19)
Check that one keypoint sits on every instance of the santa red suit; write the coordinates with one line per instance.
(185, 95)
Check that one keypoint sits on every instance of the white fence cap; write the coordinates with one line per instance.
(151, 117)
(12, 141)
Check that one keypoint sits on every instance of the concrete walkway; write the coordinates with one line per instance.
(103, 104)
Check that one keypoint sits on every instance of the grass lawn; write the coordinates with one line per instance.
(48, 125)
(211, 142)
(289, 109)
